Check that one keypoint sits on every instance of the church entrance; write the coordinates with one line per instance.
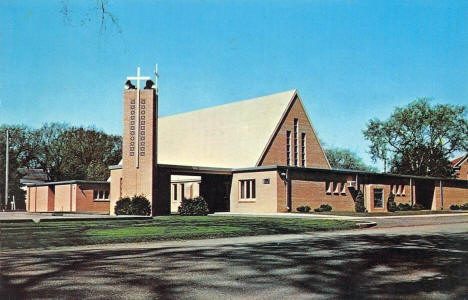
(216, 190)
(424, 193)
(184, 182)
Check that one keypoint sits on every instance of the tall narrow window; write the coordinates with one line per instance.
(174, 187)
(296, 149)
(182, 192)
(378, 198)
(288, 148)
(247, 189)
(252, 185)
(120, 188)
(343, 188)
(328, 187)
(337, 188)
(242, 189)
(303, 149)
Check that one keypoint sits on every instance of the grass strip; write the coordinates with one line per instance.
(71, 233)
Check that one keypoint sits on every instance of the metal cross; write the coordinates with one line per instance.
(156, 77)
(138, 78)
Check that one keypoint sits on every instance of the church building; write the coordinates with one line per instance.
(260, 155)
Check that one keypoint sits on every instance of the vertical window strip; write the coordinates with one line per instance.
(253, 188)
(242, 189)
(247, 189)
(288, 148)
(296, 150)
(303, 150)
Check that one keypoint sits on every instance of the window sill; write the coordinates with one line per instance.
(101, 200)
(247, 200)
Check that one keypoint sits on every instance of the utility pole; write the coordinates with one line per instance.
(6, 168)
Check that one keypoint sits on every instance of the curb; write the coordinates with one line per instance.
(362, 225)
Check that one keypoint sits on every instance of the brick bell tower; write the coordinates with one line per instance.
(140, 136)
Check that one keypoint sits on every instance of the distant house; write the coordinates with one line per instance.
(32, 176)
(460, 166)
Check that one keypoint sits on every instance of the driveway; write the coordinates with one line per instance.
(423, 261)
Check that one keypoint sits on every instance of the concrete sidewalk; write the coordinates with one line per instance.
(312, 215)
(37, 217)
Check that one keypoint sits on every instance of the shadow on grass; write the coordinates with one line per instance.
(351, 267)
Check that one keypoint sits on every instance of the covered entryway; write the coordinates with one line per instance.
(424, 192)
(213, 184)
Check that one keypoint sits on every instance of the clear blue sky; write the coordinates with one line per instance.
(350, 60)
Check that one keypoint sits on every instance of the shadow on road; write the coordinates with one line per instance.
(356, 267)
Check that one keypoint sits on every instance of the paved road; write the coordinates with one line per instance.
(426, 261)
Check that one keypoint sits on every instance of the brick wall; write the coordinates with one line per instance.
(276, 153)
(139, 142)
(452, 194)
(85, 201)
(115, 189)
(63, 198)
(463, 172)
(314, 193)
(42, 199)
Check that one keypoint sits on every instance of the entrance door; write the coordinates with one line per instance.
(424, 193)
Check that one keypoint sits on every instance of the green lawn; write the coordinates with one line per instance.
(397, 213)
(69, 233)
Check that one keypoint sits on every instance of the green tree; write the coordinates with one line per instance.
(62, 151)
(22, 146)
(88, 153)
(345, 159)
(420, 138)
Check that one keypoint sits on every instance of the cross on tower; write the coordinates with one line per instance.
(138, 78)
(156, 77)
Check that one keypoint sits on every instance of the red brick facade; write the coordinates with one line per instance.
(139, 158)
(276, 152)
(68, 197)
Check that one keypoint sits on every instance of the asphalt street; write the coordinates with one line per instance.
(411, 258)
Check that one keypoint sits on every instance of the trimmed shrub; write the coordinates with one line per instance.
(305, 209)
(454, 207)
(140, 206)
(123, 206)
(464, 206)
(418, 206)
(137, 205)
(391, 205)
(404, 206)
(323, 207)
(194, 207)
(359, 203)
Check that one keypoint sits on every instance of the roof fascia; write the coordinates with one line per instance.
(277, 128)
(462, 161)
(313, 129)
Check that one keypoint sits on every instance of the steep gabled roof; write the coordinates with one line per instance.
(230, 136)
